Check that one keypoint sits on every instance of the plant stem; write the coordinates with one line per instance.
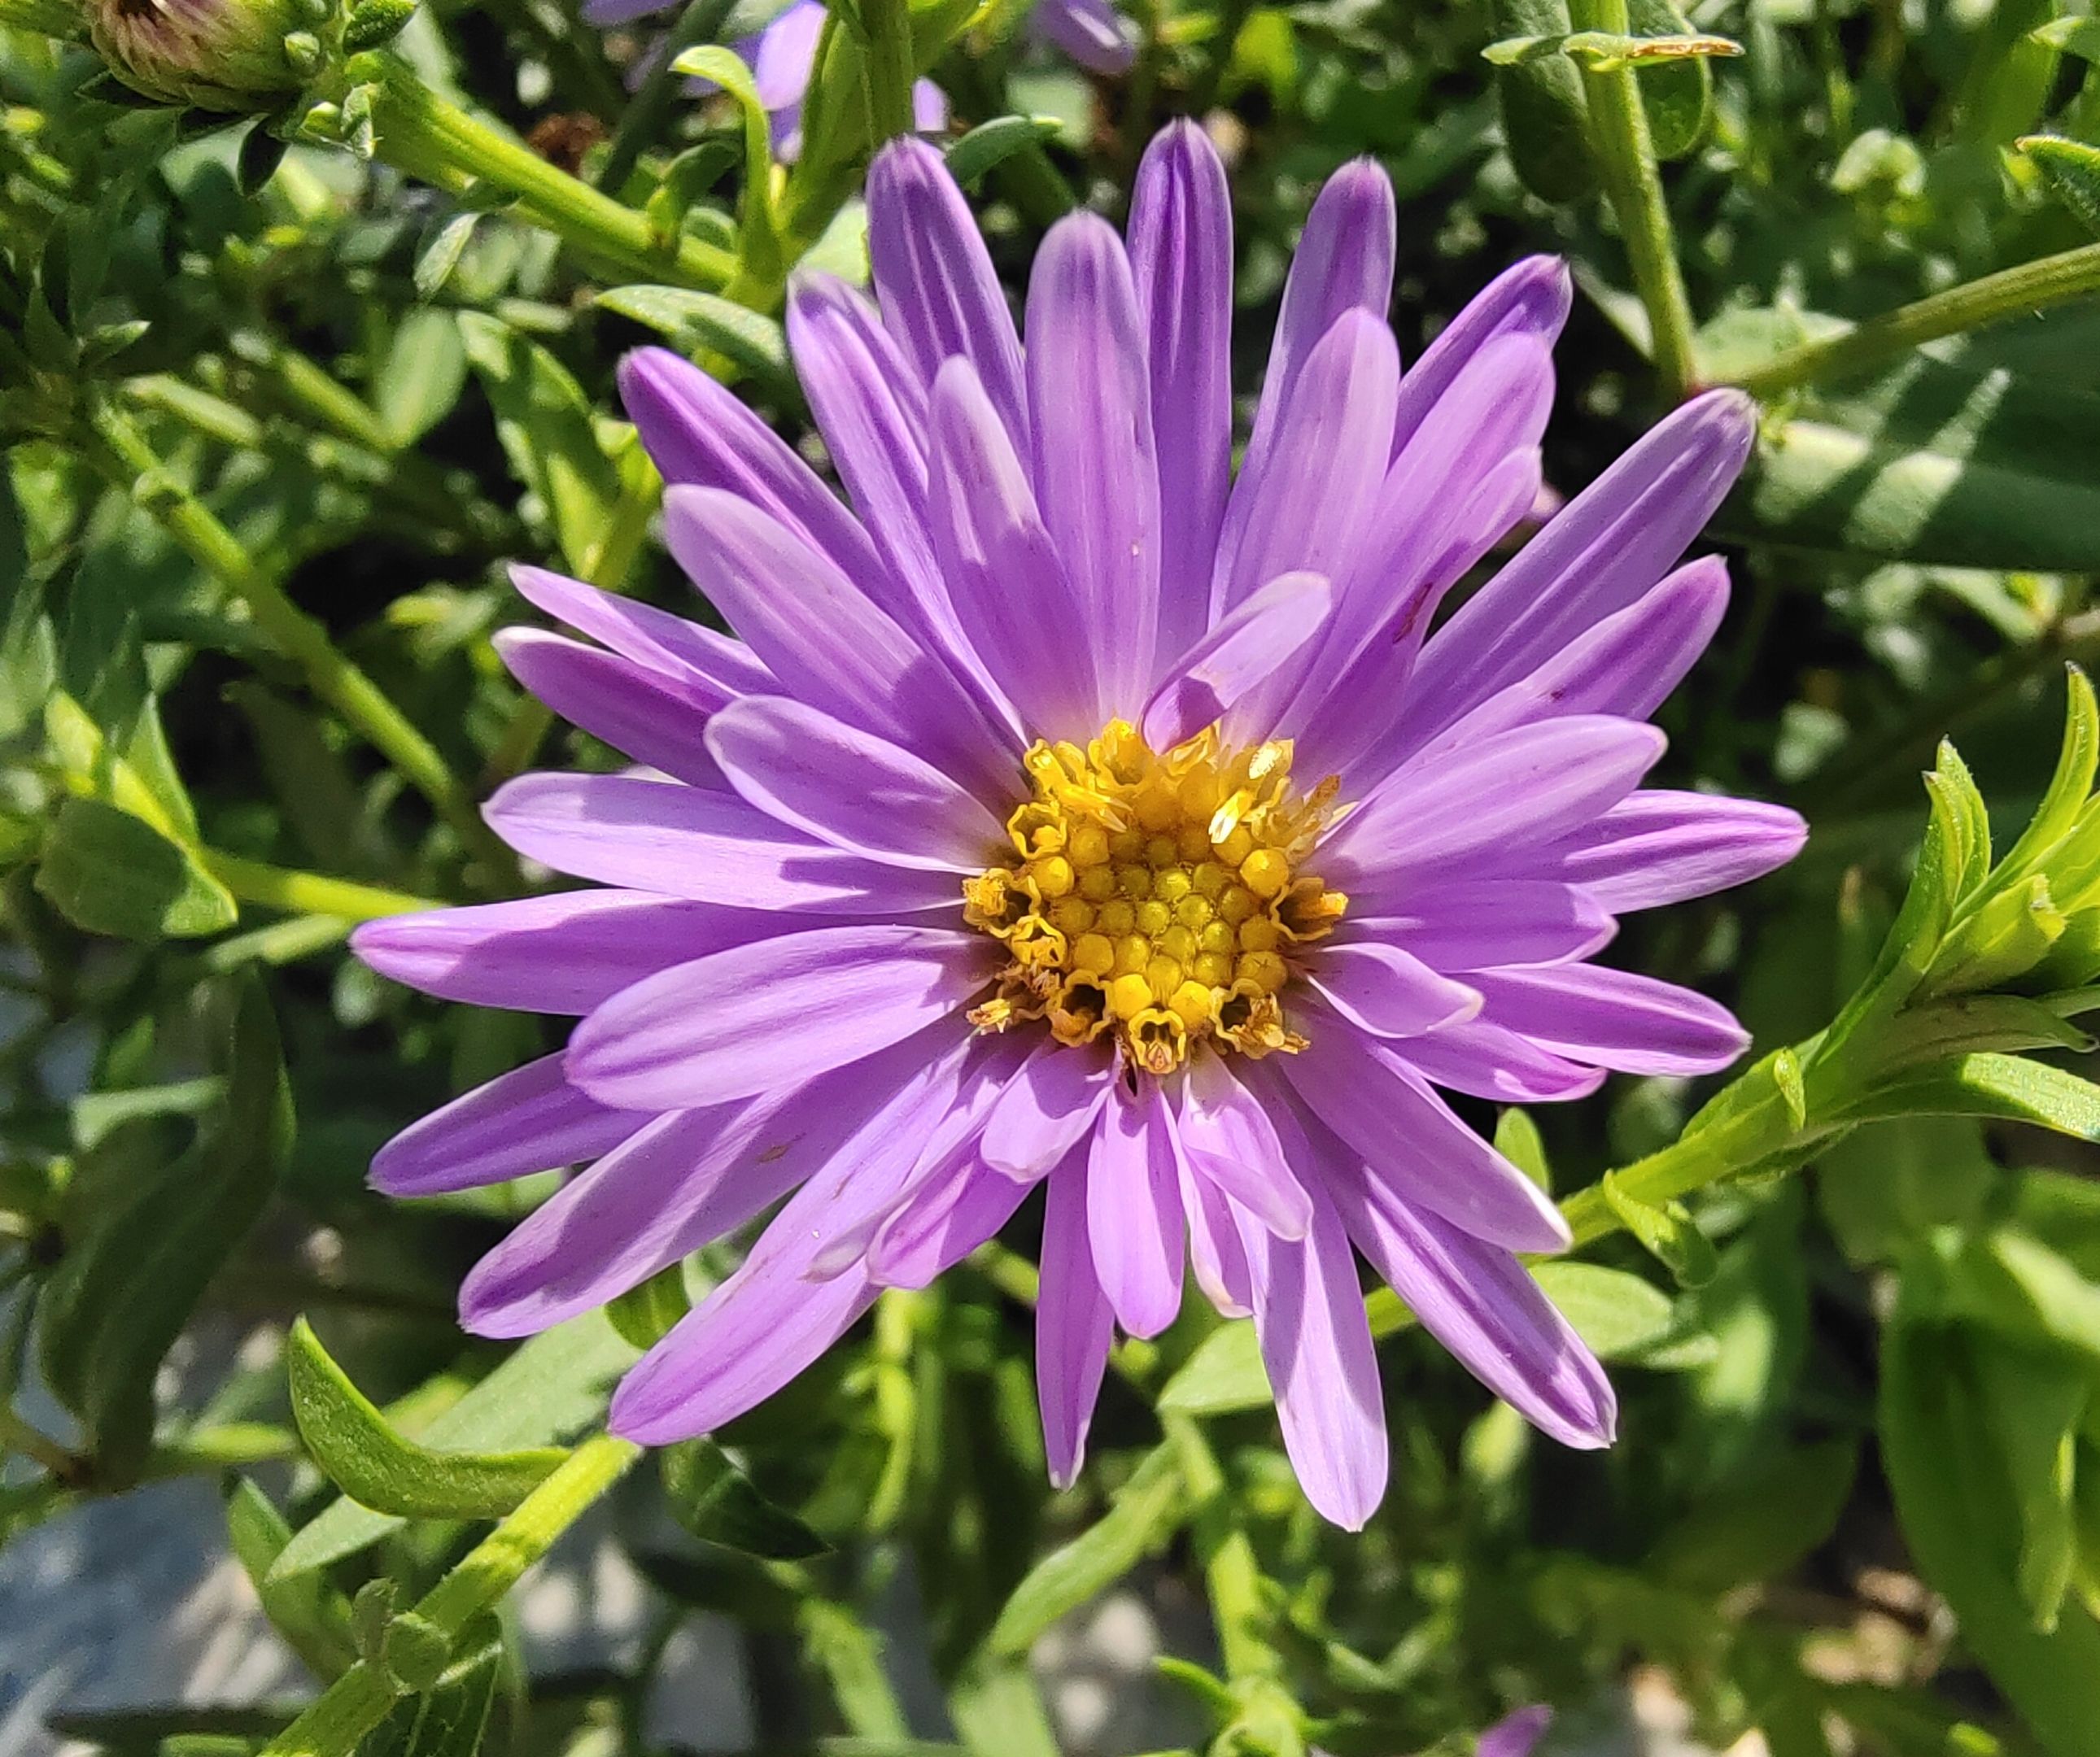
(1633, 180)
(1230, 1573)
(31, 1443)
(418, 132)
(118, 448)
(302, 893)
(2032, 288)
(890, 68)
(359, 1700)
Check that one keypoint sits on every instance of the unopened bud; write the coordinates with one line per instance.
(229, 55)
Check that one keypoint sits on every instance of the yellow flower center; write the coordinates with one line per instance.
(1156, 896)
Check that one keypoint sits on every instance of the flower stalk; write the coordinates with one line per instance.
(304, 893)
(357, 1700)
(2031, 287)
(888, 69)
(1632, 181)
(419, 133)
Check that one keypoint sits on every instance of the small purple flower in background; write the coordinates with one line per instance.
(1515, 1735)
(782, 56)
(1073, 811)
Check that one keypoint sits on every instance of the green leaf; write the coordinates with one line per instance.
(1667, 1233)
(1517, 1139)
(549, 1390)
(2071, 169)
(698, 322)
(1793, 1087)
(2020, 1289)
(1988, 1084)
(1947, 459)
(143, 1242)
(1882, 1187)
(1676, 76)
(1544, 115)
(1145, 1514)
(2079, 36)
(1761, 1522)
(715, 1501)
(451, 1719)
(2064, 801)
(645, 1315)
(377, 1467)
(1224, 1373)
(759, 242)
(1960, 1517)
(991, 143)
(2037, 1403)
(2009, 935)
(545, 427)
(311, 1615)
(421, 376)
(1622, 1317)
(110, 872)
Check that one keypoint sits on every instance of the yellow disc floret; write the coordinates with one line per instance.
(1156, 897)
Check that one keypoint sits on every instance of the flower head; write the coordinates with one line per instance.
(1074, 811)
(217, 54)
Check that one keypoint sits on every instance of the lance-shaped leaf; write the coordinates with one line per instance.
(993, 142)
(2071, 169)
(714, 1500)
(377, 1467)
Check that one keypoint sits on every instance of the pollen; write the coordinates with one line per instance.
(1158, 899)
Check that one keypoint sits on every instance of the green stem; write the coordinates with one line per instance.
(2032, 287)
(418, 132)
(301, 893)
(1633, 180)
(1231, 1575)
(891, 70)
(32, 1443)
(118, 448)
(357, 1700)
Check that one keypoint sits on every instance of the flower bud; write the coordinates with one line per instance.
(229, 55)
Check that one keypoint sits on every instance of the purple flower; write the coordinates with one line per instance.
(1515, 1735)
(782, 56)
(1074, 812)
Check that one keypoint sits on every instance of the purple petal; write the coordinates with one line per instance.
(529, 1120)
(1610, 544)
(1134, 1209)
(1387, 992)
(1073, 1324)
(1615, 1019)
(1228, 1138)
(1304, 502)
(1215, 1254)
(1090, 402)
(851, 788)
(929, 107)
(786, 54)
(942, 1225)
(1480, 924)
(1504, 793)
(1479, 1302)
(688, 1178)
(1343, 260)
(1181, 261)
(700, 433)
(755, 1018)
(717, 669)
(1242, 651)
(563, 953)
(709, 848)
(1625, 665)
(872, 410)
(1532, 298)
(828, 645)
(1088, 31)
(1377, 1103)
(939, 295)
(1490, 1061)
(1515, 1734)
(653, 717)
(1012, 595)
(1309, 1311)
(1047, 1109)
(1658, 847)
(1476, 1300)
